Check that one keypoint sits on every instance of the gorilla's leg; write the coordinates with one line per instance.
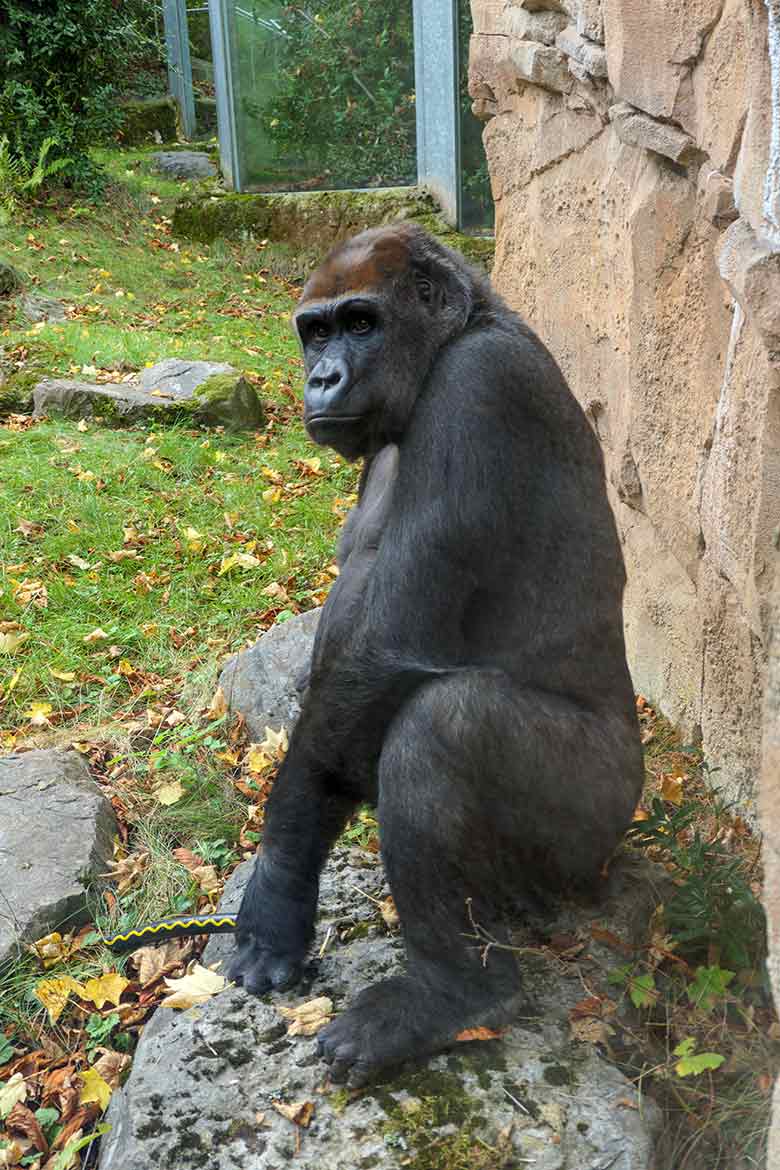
(483, 789)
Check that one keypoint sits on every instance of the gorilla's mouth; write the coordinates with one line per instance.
(331, 418)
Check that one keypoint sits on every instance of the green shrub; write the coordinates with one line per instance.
(59, 60)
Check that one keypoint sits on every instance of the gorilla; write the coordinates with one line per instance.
(469, 674)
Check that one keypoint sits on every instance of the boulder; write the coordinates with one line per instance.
(208, 393)
(183, 164)
(56, 834)
(39, 308)
(261, 683)
(207, 1085)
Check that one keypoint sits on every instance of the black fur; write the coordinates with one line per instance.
(469, 673)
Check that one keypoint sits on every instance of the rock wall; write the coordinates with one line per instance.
(634, 154)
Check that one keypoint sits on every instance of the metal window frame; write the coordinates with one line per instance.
(177, 43)
(436, 71)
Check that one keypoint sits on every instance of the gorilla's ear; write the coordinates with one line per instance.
(442, 282)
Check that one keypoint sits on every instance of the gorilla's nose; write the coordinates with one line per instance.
(327, 382)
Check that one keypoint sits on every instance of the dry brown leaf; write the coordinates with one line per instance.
(390, 916)
(111, 1066)
(152, 963)
(22, 1121)
(480, 1033)
(590, 1030)
(307, 1018)
(12, 1093)
(97, 635)
(219, 705)
(299, 1112)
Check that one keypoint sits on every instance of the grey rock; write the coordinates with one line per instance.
(56, 832)
(183, 164)
(638, 129)
(10, 279)
(39, 308)
(211, 393)
(540, 64)
(591, 57)
(260, 683)
(204, 1082)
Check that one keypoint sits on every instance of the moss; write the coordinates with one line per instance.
(557, 1074)
(16, 393)
(10, 280)
(440, 1100)
(144, 116)
(217, 388)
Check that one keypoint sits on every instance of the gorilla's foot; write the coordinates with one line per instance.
(259, 968)
(394, 1021)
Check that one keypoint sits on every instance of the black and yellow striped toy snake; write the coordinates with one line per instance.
(174, 926)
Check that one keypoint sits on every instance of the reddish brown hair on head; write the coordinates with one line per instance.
(365, 262)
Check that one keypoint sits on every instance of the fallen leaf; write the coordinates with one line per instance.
(195, 540)
(22, 1120)
(480, 1033)
(51, 949)
(29, 592)
(299, 1112)
(111, 1065)
(240, 560)
(55, 993)
(672, 789)
(94, 1088)
(169, 793)
(389, 912)
(307, 1018)
(63, 675)
(219, 705)
(38, 714)
(13, 1091)
(97, 635)
(77, 562)
(152, 963)
(106, 988)
(10, 643)
(590, 1030)
(196, 987)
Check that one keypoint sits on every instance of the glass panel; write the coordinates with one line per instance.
(323, 92)
(476, 208)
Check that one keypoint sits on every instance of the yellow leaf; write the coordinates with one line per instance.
(125, 667)
(272, 495)
(82, 425)
(195, 540)
(230, 756)
(51, 949)
(63, 675)
(169, 793)
(94, 1088)
(238, 560)
(257, 760)
(38, 714)
(10, 643)
(307, 1018)
(275, 742)
(54, 994)
(97, 635)
(196, 987)
(672, 789)
(107, 987)
(14, 679)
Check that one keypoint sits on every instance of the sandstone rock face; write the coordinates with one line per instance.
(638, 231)
(56, 833)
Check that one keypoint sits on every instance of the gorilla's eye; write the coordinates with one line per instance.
(360, 325)
(320, 331)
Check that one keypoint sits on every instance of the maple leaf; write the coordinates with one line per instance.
(55, 993)
(106, 988)
(198, 986)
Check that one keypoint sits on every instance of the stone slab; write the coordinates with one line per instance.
(638, 129)
(183, 164)
(204, 1082)
(211, 393)
(261, 683)
(56, 832)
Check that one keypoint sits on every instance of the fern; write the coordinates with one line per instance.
(19, 179)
